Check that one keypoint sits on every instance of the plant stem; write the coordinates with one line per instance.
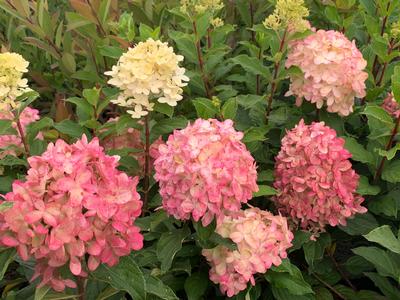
(329, 286)
(276, 70)
(342, 274)
(253, 34)
(80, 281)
(23, 139)
(94, 13)
(385, 64)
(201, 62)
(209, 42)
(318, 114)
(258, 76)
(388, 146)
(375, 67)
(146, 183)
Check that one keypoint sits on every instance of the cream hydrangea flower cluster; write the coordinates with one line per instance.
(193, 7)
(146, 72)
(205, 170)
(261, 239)
(315, 177)
(12, 68)
(288, 14)
(333, 71)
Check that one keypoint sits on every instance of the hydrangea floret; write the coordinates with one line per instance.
(146, 73)
(332, 71)
(204, 170)
(315, 178)
(74, 209)
(12, 68)
(261, 240)
(288, 14)
(391, 106)
(194, 7)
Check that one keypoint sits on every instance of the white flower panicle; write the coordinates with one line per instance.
(12, 68)
(147, 72)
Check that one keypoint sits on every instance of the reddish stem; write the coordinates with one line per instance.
(209, 42)
(276, 70)
(201, 62)
(146, 183)
(80, 282)
(23, 139)
(388, 146)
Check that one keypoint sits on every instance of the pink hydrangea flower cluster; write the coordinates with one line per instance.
(315, 177)
(130, 138)
(391, 106)
(261, 239)
(332, 69)
(12, 142)
(204, 170)
(74, 205)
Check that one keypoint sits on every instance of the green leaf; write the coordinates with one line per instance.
(70, 128)
(6, 127)
(186, 45)
(359, 153)
(364, 188)
(168, 245)
(384, 236)
(229, 109)
(384, 285)
(204, 233)
(110, 51)
(314, 250)
(164, 108)
(205, 108)
(10, 160)
(379, 113)
(387, 204)
(7, 255)
(166, 126)
(68, 61)
(288, 276)
(254, 134)
(252, 65)
(196, 285)
(391, 153)
(383, 263)
(265, 190)
(33, 129)
(147, 32)
(156, 287)
(92, 96)
(391, 171)
(125, 276)
(360, 224)
(396, 83)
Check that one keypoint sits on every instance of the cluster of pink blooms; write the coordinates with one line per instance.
(261, 239)
(391, 106)
(130, 138)
(204, 170)
(332, 69)
(315, 177)
(74, 205)
(12, 144)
